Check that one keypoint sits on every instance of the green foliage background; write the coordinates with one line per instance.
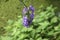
(10, 9)
(46, 25)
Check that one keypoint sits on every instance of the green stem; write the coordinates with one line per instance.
(23, 3)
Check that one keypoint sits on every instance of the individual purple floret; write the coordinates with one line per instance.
(31, 8)
(31, 18)
(25, 10)
(27, 19)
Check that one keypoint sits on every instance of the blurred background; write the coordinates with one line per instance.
(11, 11)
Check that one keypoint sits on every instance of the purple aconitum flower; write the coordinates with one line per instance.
(27, 19)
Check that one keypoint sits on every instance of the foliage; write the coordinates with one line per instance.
(45, 26)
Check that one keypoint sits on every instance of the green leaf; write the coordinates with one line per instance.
(57, 28)
(54, 20)
(22, 36)
(6, 38)
(37, 35)
(33, 33)
(39, 38)
(44, 24)
(31, 39)
(45, 39)
(51, 33)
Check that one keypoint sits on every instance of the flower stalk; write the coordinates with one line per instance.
(28, 15)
